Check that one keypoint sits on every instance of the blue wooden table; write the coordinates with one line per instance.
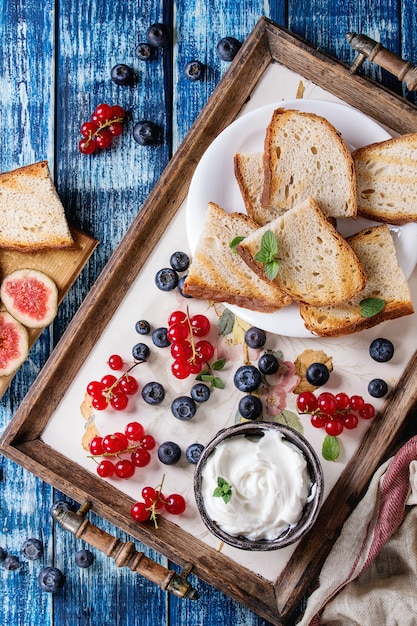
(55, 64)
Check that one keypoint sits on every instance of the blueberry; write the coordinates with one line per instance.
(179, 261)
(183, 408)
(169, 453)
(200, 392)
(158, 35)
(84, 558)
(147, 133)
(180, 287)
(227, 48)
(153, 393)
(317, 374)
(122, 74)
(250, 407)
(268, 363)
(194, 70)
(32, 549)
(255, 337)
(143, 327)
(145, 52)
(193, 452)
(247, 378)
(11, 562)
(381, 350)
(377, 388)
(159, 337)
(59, 506)
(2, 554)
(166, 279)
(140, 352)
(51, 579)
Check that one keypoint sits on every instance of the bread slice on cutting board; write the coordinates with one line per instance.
(385, 281)
(386, 174)
(316, 264)
(305, 156)
(32, 216)
(219, 274)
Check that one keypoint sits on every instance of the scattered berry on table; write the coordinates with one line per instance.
(105, 122)
(122, 74)
(60, 506)
(140, 352)
(115, 362)
(247, 378)
(381, 350)
(169, 453)
(377, 388)
(268, 363)
(183, 408)
(193, 452)
(180, 287)
(227, 48)
(143, 327)
(11, 562)
(160, 337)
(2, 553)
(84, 558)
(145, 52)
(124, 468)
(134, 431)
(250, 407)
(175, 504)
(105, 469)
(32, 548)
(255, 337)
(179, 261)
(200, 392)
(140, 512)
(51, 579)
(158, 35)
(147, 133)
(166, 279)
(194, 70)
(153, 393)
(317, 374)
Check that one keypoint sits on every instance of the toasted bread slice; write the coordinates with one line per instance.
(316, 264)
(31, 214)
(249, 174)
(386, 174)
(218, 273)
(304, 155)
(385, 281)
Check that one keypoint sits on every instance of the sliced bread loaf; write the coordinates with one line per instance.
(316, 264)
(218, 273)
(31, 214)
(386, 174)
(304, 155)
(249, 174)
(385, 281)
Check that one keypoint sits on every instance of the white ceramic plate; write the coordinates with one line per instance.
(214, 181)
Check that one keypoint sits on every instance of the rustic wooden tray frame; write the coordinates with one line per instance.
(21, 441)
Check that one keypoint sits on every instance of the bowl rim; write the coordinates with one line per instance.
(311, 508)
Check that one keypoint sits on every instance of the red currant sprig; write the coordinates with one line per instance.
(334, 412)
(154, 502)
(189, 355)
(122, 453)
(105, 123)
(112, 391)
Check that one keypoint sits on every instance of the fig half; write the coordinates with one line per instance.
(30, 296)
(14, 344)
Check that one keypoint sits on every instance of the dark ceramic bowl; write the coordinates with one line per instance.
(310, 510)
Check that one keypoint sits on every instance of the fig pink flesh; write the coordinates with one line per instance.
(30, 297)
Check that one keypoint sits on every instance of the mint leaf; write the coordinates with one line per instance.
(371, 306)
(267, 254)
(218, 365)
(271, 269)
(223, 490)
(234, 243)
(330, 448)
(226, 322)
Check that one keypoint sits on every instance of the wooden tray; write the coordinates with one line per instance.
(22, 442)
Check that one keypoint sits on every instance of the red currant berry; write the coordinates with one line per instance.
(333, 427)
(115, 129)
(182, 350)
(175, 504)
(117, 112)
(153, 497)
(177, 317)
(124, 468)
(181, 369)
(140, 512)
(148, 442)
(119, 401)
(134, 431)
(124, 442)
(115, 362)
(94, 120)
(326, 403)
(177, 333)
(95, 388)
(205, 350)
(356, 402)
(350, 421)
(306, 402)
(105, 469)
(103, 112)
(367, 411)
(96, 446)
(317, 421)
(342, 400)
(200, 325)
(140, 457)
(196, 366)
(129, 384)
(88, 129)
(103, 139)
(112, 444)
(87, 145)
(108, 381)
(99, 403)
